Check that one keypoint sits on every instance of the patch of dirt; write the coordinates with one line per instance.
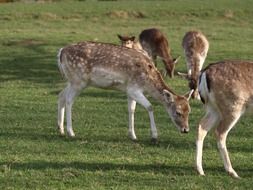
(72, 17)
(125, 14)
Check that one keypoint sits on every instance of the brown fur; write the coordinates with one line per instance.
(133, 66)
(227, 90)
(156, 44)
(130, 42)
(195, 46)
(106, 65)
(236, 77)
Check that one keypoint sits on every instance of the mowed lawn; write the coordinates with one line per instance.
(101, 156)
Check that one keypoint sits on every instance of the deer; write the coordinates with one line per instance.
(155, 43)
(195, 46)
(226, 89)
(129, 41)
(109, 66)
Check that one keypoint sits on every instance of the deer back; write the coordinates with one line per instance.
(155, 43)
(195, 46)
(106, 65)
(227, 85)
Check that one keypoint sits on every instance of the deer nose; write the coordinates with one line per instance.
(185, 130)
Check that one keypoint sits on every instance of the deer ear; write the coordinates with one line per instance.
(188, 95)
(119, 36)
(176, 60)
(132, 38)
(168, 96)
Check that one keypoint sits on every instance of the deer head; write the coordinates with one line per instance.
(127, 41)
(178, 108)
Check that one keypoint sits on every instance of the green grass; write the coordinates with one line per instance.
(34, 156)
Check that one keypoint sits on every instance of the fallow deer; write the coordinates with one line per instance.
(226, 89)
(109, 66)
(129, 41)
(195, 46)
(154, 42)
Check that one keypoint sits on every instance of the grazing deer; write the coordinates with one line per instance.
(154, 42)
(226, 89)
(109, 66)
(195, 46)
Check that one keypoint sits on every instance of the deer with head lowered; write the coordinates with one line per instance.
(115, 67)
(154, 42)
(226, 89)
(195, 46)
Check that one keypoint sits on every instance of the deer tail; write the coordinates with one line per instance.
(204, 87)
(59, 62)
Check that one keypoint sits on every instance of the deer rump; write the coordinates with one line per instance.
(226, 89)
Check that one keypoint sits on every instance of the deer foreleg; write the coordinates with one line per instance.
(207, 122)
(141, 99)
(131, 110)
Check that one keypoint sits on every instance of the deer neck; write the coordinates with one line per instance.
(157, 87)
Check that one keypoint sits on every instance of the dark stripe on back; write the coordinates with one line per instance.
(208, 82)
(202, 99)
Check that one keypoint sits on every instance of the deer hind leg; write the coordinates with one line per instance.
(61, 110)
(71, 92)
(141, 99)
(207, 122)
(131, 110)
(221, 134)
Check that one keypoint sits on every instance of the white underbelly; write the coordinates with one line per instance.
(106, 79)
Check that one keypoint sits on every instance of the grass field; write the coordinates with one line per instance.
(34, 156)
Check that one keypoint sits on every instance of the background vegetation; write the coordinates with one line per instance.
(34, 156)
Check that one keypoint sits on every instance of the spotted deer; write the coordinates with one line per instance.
(154, 42)
(226, 89)
(115, 67)
(195, 46)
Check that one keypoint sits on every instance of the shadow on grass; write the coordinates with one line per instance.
(92, 167)
(97, 93)
(29, 62)
(104, 167)
(94, 138)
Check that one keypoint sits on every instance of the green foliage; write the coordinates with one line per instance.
(34, 156)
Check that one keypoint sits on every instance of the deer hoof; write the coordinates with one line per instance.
(71, 134)
(234, 175)
(61, 130)
(154, 141)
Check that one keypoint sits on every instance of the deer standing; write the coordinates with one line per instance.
(109, 66)
(195, 46)
(226, 89)
(154, 42)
